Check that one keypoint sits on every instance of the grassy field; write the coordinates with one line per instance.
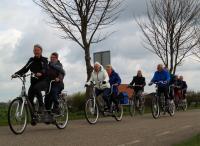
(3, 114)
(194, 141)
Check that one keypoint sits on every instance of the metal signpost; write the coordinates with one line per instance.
(102, 57)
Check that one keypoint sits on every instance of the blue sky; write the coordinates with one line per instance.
(23, 24)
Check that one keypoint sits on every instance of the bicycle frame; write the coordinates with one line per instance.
(24, 96)
(94, 94)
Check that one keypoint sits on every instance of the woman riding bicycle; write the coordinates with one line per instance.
(56, 73)
(114, 81)
(101, 79)
(139, 82)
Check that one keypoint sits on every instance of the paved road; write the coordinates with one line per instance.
(138, 131)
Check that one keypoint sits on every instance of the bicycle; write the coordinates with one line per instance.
(94, 106)
(20, 109)
(180, 102)
(159, 104)
(137, 102)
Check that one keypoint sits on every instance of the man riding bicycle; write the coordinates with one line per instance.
(101, 79)
(114, 81)
(139, 82)
(38, 67)
(161, 78)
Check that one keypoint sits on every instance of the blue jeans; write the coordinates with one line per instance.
(52, 97)
(106, 93)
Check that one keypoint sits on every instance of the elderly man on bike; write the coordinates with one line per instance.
(115, 81)
(139, 82)
(161, 78)
(101, 79)
(38, 67)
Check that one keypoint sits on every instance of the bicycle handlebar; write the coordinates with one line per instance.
(22, 77)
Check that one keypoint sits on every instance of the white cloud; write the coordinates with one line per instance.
(22, 24)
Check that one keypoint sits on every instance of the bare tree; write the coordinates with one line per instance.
(82, 21)
(196, 54)
(170, 30)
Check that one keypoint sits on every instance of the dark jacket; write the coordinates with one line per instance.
(35, 65)
(114, 79)
(138, 81)
(183, 85)
(55, 70)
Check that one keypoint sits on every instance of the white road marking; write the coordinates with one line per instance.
(130, 143)
(186, 127)
(163, 133)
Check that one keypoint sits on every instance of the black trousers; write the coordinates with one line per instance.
(36, 91)
(164, 90)
(32, 94)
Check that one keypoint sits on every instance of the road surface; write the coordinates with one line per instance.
(137, 131)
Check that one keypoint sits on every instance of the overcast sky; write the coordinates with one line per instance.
(23, 24)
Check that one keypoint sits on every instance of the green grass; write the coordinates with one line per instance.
(194, 141)
(3, 115)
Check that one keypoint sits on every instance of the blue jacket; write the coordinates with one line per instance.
(161, 76)
(114, 79)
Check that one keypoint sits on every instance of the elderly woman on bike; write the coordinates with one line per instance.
(114, 81)
(101, 79)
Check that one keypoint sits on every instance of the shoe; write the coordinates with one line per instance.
(33, 122)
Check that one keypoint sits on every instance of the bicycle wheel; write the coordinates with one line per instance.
(131, 107)
(155, 108)
(17, 116)
(62, 119)
(118, 113)
(184, 105)
(172, 108)
(91, 111)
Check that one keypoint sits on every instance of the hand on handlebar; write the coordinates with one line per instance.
(86, 85)
(151, 83)
(14, 76)
(38, 74)
(104, 82)
(57, 80)
(116, 84)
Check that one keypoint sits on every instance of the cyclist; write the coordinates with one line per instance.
(38, 66)
(140, 82)
(115, 81)
(183, 86)
(101, 79)
(56, 73)
(162, 78)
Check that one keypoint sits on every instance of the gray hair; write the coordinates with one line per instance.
(38, 46)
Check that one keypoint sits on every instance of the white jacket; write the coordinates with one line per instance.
(98, 78)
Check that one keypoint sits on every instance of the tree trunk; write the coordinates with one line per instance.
(89, 70)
